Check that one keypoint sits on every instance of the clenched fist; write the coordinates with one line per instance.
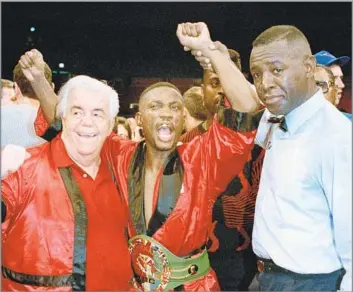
(194, 36)
(12, 157)
(32, 65)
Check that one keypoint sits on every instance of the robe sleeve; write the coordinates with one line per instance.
(40, 124)
(224, 149)
(12, 196)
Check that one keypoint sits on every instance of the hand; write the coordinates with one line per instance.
(32, 65)
(193, 36)
(204, 61)
(12, 157)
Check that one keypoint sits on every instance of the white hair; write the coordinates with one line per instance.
(86, 83)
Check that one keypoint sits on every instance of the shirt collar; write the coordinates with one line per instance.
(302, 113)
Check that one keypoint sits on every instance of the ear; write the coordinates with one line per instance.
(186, 113)
(310, 66)
(17, 90)
(203, 94)
(18, 93)
(53, 86)
(138, 119)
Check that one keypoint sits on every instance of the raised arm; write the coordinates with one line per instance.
(239, 92)
(32, 65)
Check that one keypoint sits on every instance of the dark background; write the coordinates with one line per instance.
(125, 40)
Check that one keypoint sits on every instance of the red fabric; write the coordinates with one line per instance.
(238, 209)
(190, 135)
(41, 125)
(209, 161)
(38, 233)
(226, 102)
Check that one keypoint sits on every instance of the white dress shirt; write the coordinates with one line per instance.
(303, 215)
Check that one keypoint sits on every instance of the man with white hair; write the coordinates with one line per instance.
(64, 224)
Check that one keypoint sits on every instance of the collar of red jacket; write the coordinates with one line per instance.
(60, 156)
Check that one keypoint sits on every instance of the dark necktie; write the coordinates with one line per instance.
(279, 120)
(282, 125)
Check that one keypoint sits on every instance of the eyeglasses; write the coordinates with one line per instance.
(325, 85)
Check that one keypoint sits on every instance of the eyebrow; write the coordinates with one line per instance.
(76, 107)
(176, 102)
(98, 110)
(276, 62)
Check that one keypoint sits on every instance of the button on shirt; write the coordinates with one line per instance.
(303, 215)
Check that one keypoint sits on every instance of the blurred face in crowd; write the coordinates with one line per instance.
(327, 84)
(337, 72)
(212, 90)
(122, 131)
(7, 95)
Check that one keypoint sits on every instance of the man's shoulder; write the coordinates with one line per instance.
(348, 115)
(191, 134)
(39, 157)
(336, 119)
(38, 154)
(334, 127)
(115, 147)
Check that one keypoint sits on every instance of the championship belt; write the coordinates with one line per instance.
(158, 269)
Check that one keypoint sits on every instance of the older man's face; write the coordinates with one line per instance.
(87, 122)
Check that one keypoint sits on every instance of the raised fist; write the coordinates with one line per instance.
(12, 157)
(194, 36)
(32, 64)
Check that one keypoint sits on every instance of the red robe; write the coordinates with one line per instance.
(209, 163)
(41, 125)
(39, 231)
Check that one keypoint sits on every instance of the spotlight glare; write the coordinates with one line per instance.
(61, 65)
(32, 29)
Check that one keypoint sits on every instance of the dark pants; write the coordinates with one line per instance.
(300, 282)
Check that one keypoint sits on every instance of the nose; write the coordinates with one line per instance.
(87, 120)
(220, 91)
(339, 82)
(267, 81)
(165, 112)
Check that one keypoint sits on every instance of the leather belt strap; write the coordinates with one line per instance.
(37, 280)
(268, 266)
